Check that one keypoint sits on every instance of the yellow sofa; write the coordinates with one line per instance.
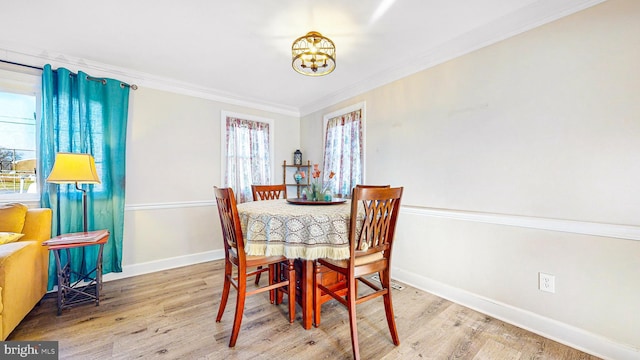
(24, 263)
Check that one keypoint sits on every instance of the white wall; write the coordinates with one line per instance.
(173, 162)
(533, 131)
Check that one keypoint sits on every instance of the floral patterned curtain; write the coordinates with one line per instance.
(343, 153)
(247, 156)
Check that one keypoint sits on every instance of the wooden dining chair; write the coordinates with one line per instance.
(337, 281)
(235, 257)
(267, 192)
(370, 253)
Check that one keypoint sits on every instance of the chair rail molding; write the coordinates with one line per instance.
(169, 205)
(627, 232)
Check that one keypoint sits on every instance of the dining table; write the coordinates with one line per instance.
(298, 229)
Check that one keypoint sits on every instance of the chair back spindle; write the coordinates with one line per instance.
(268, 192)
(380, 213)
(230, 222)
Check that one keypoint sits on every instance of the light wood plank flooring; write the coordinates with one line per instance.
(171, 315)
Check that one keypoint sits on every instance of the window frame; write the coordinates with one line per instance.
(224, 114)
(354, 107)
(25, 81)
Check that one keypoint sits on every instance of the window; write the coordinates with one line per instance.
(246, 153)
(344, 148)
(19, 99)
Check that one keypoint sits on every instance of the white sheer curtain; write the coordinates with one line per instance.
(248, 159)
(343, 153)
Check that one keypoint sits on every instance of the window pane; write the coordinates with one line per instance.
(343, 152)
(247, 155)
(17, 145)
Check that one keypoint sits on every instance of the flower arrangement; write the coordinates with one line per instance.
(316, 175)
(316, 190)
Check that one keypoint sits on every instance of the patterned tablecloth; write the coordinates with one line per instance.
(276, 227)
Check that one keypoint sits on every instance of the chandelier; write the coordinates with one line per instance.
(313, 54)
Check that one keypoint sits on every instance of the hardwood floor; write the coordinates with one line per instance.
(171, 315)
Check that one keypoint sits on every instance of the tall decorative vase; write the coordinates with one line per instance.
(317, 192)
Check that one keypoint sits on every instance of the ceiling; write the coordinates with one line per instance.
(240, 50)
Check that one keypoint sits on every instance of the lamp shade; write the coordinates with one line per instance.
(74, 168)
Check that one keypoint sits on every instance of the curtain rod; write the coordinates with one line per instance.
(132, 86)
(23, 65)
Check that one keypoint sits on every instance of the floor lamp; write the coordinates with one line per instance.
(70, 168)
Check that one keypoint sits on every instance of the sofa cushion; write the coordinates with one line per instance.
(12, 217)
(7, 237)
(9, 250)
(24, 266)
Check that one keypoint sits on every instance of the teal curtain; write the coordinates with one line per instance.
(83, 114)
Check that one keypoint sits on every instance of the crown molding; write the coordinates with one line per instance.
(38, 57)
(529, 17)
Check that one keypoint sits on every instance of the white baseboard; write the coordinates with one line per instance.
(563, 333)
(164, 264)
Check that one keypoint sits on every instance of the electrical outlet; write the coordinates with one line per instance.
(547, 282)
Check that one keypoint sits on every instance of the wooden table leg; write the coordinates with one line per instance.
(306, 287)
